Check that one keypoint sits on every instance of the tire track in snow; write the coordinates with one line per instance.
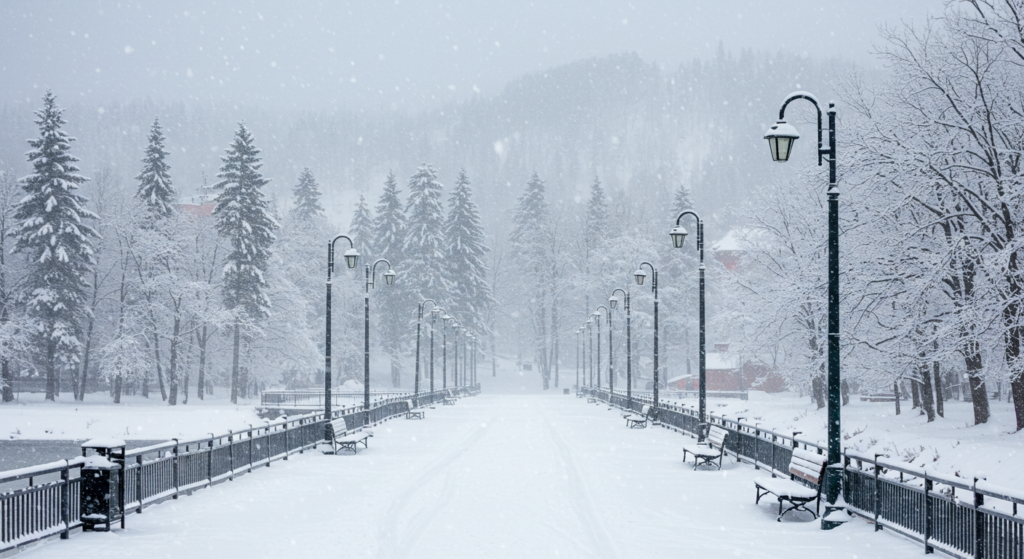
(395, 545)
(601, 545)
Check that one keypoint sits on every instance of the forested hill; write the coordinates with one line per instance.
(641, 128)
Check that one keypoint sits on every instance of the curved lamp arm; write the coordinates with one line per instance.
(389, 276)
(351, 255)
(613, 300)
(817, 107)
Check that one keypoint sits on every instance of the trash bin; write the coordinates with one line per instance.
(102, 484)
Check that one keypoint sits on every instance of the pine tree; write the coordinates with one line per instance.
(50, 229)
(242, 216)
(155, 188)
(597, 212)
(307, 198)
(470, 290)
(424, 250)
(362, 230)
(389, 236)
(531, 240)
(681, 201)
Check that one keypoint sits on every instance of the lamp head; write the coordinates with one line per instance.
(613, 301)
(389, 277)
(678, 235)
(351, 257)
(640, 276)
(781, 137)
(435, 312)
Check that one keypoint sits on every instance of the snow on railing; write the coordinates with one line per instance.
(162, 471)
(917, 503)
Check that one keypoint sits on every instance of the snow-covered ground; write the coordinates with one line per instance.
(536, 475)
(952, 445)
(32, 417)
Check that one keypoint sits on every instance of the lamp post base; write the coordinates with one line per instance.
(835, 514)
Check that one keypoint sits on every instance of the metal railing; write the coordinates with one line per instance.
(166, 470)
(981, 522)
(314, 399)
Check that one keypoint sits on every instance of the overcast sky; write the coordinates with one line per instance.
(398, 54)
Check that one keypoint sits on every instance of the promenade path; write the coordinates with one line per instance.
(513, 475)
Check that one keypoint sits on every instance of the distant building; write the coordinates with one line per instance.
(199, 205)
(723, 372)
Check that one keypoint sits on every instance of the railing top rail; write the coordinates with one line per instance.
(40, 469)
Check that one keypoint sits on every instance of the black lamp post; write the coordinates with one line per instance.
(678, 235)
(444, 349)
(611, 356)
(419, 322)
(590, 340)
(780, 138)
(597, 320)
(640, 275)
(578, 332)
(434, 313)
(614, 302)
(455, 340)
(351, 258)
(371, 277)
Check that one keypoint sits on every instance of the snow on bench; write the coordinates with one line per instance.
(638, 421)
(710, 450)
(806, 470)
(412, 413)
(342, 440)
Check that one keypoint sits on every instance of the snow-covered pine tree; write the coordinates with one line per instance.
(243, 217)
(424, 250)
(531, 240)
(597, 212)
(467, 274)
(50, 229)
(155, 188)
(362, 229)
(389, 236)
(307, 198)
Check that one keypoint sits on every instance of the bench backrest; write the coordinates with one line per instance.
(807, 466)
(410, 403)
(645, 410)
(716, 436)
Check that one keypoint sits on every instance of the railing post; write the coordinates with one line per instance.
(267, 435)
(231, 455)
(250, 448)
(878, 498)
(927, 513)
(757, 439)
(65, 501)
(209, 461)
(176, 470)
(138, 481)
(287, 446)
(979, 521)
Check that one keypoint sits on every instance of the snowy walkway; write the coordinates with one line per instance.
(493, 476)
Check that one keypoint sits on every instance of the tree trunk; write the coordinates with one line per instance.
(939, 397)
(159, 368)
(554, 336)
(979, 396)
(172, 368)
(201, 380)
(818, 390)
(80, 389)
(844, 390)
(117, 389)
(927, 400)
(915, 393)
(1017, 393)
(51, 372)
(6, 380)
(234, 365)
(896, 394)
(396, 373)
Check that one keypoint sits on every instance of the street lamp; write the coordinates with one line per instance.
(351, 257)
(640, 275)
(419, 322)
(614, 302)
(597, 320)
(590, 340)
(444, 349)
(678, 235)
(780, 138)
(611, 360)
(456, 329)
(434, 313)
(371, 277)
(578, 332)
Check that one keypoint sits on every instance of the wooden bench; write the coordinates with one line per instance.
(713, 448)
(343, 440)
(806, 470)
(591, 399)
(412, 412)
(638, 421)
